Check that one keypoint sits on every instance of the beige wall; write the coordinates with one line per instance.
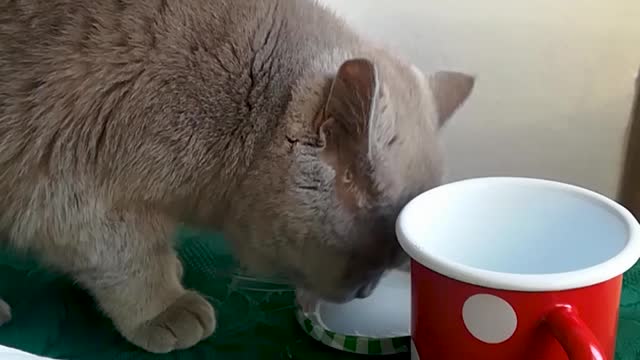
(555, 79)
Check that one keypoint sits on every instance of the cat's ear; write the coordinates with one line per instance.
(350, 105)
(344, 129)
(450, 89)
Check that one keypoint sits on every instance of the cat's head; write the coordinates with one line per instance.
(324, 203)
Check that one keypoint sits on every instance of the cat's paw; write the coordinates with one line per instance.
(5, 312)
(183, 324)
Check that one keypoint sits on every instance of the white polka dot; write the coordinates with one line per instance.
(489, 318)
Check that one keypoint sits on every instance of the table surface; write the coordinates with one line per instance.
(256, 318)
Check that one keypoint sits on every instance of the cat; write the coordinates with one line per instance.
(271, 121)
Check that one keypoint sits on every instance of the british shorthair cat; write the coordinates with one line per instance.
(271, 121)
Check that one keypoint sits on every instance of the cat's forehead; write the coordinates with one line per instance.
(406, 89)
(411, 161)
(406, 103)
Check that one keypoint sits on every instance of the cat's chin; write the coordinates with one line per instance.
(306, 300)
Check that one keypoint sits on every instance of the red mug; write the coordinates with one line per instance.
(507, 268)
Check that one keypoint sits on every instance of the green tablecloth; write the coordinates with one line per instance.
(256, 319)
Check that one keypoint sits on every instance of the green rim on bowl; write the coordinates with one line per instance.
(312, 325)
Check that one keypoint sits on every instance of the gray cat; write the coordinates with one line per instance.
(269, 120)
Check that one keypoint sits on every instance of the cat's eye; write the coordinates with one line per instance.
(327, 132)
(326, 128)
(347, 177)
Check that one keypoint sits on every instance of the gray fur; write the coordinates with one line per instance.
(120, 119)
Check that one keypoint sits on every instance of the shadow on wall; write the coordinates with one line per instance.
(629, 191)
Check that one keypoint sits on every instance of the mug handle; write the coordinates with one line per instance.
(573, 334)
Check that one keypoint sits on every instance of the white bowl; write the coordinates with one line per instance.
(381, 322)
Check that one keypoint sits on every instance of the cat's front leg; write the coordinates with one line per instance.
(135, 278)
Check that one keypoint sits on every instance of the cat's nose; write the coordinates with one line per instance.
(364, 292)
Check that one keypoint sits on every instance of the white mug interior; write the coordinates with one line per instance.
(519, 234)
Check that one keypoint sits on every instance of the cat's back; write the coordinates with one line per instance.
(60, 58)
(80, 78)
(133, 89)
